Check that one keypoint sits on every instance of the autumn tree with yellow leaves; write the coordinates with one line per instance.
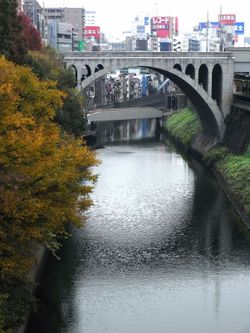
(45, 176)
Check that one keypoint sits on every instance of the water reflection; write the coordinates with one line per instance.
(161, 252)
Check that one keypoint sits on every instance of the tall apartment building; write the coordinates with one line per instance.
(34, 11)
(74, 16)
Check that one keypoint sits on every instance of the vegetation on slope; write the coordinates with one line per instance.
(42, 170)
(183, 125)
(235, 169)
(45, 167)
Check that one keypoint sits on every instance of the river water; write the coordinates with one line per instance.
(162, 251)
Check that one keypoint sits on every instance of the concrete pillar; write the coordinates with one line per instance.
(196, 68)
(210, 79)
(227, 87)
(79, 75)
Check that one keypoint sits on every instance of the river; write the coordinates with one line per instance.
(162, 251)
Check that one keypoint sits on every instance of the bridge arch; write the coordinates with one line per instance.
(190, 70)
(217, 84)
(98, 67)
(178, 67)
(210, 115)
(203, 76)
(86, 72)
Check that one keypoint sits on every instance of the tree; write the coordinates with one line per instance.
(71, 116)
(45, 176)
(29, 33)
(49, 65)
(12, 44)
(45, 64)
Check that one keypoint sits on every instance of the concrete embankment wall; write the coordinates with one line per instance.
(34, 275)
(237, 135)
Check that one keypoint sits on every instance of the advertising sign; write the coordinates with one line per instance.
(92, 31)
(160, 23)
(162, 33)
(81, 45)
(239, 28)
(176, 25)
(227, 19)
(146, 20)
(203, 25)
(164, 26)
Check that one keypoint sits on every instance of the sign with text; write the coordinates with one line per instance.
(146, 20)
(227, 19)
(161, 22)
(92, 31)
(239, 28)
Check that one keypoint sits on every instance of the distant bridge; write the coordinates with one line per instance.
(114, 114)
(206, 78)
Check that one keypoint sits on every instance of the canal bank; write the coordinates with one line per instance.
(231, 169)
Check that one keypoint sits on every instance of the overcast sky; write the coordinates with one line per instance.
(115, 16)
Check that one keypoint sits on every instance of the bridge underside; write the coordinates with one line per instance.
(206, 79)
(211, 117)
(208, 116)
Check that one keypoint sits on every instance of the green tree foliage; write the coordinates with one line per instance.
(12, 43)
(48, 65)
(45, 178)
(71, 117)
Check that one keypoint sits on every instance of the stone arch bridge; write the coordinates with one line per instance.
(206, 78)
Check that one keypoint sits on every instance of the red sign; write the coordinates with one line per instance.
(164, 26)
(160, 22)
(227, 19)
(92, 31)
(162, 33)
(176, 25)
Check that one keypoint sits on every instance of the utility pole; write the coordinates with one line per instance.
(207, 32)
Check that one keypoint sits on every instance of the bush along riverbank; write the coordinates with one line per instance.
(46, 179)
(232, 170)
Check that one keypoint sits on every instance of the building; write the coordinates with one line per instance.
(194, 44)
(177, 44)
(19, 5)
(35, 12)
(226, 31)
(73, 16)
(60, 36)
(139, 35)
(90, 17)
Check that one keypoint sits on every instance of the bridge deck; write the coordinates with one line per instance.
(124, 114)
